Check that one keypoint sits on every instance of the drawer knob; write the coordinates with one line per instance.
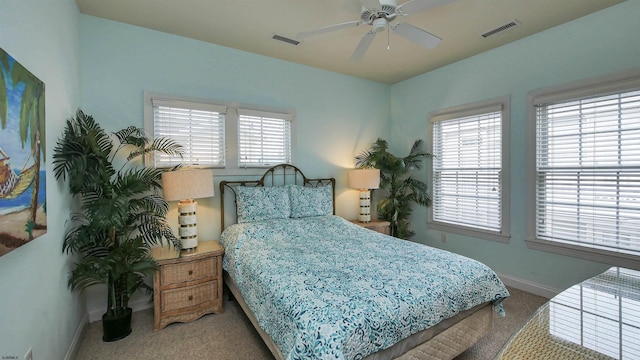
(190, 272)
(190, 297)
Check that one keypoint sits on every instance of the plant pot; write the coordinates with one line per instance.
(116, 328)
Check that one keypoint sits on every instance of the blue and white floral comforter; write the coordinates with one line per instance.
(323, 288)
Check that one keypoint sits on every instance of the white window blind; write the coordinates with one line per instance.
(467, 169)
(588, 171)
(264, 139)
(198, 127)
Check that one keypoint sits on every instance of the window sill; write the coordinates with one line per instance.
(580, 252)
(486, 235)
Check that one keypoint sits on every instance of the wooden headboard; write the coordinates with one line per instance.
(278, 175)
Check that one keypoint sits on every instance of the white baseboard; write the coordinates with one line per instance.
(136, 305)
(96, 315)
(529, 286)
(75, 342)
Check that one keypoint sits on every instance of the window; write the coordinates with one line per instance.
(470, 181)
(198, 127)
(586, 195)
(264, 139)
(231, 138)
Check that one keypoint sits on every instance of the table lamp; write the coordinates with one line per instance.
(364, 179)
(185, 186)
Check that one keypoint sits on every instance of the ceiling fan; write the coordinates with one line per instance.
(380, 15)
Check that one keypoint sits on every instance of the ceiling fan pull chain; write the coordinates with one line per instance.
(388, 37)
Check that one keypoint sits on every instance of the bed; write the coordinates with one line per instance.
(316, 286)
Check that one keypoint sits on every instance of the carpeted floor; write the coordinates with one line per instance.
(230, 335)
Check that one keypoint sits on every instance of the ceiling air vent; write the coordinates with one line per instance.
(501, 28)
(285, 39)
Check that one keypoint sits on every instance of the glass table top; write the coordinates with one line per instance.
(596, 319)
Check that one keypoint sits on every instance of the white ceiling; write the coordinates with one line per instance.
(249, 25)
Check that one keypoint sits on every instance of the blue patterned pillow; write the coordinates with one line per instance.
(262, 203)
(310, 201)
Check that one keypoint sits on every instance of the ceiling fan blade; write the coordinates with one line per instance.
(371, 4)
(414, 6)
(363, 46)
(326, 29)
(416, 35)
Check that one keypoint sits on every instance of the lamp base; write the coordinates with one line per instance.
(189, 244)
(188, 229)
(365, 206)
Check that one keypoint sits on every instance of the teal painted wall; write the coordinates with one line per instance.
(36, 309)
(337, 116)
(105, 66)
(601, 43)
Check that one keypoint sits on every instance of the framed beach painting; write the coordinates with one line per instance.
(22, 153)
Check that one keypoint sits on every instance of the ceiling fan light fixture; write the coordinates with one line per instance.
(386, 10)
(379, 24)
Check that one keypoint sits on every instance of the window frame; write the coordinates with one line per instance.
(608, 84)
(265, 118)
(189, 107)
(231, 167)
(471, 109)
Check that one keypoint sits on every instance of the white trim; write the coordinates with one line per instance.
(502, 104)
(586, 253)
(460, 111)
(529, 286)
(607, 84)
(135, 305)
(531, 170)
(72, 351)
(248, 118)
(231, 128)
(468, 231)
(267, 114)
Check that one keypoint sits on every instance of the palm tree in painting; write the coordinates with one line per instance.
(31, 123)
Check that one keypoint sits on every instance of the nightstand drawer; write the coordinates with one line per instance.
(191, 271)
(189, 296)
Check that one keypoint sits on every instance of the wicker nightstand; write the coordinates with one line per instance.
(187, 286)
(380, 226)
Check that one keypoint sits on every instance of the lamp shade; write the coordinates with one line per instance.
(187, 184)
(364, 178)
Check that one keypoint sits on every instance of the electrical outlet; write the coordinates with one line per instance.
(28, 355)
(443, 237)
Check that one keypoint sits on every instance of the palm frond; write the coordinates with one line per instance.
(89, 271)
(153, 204)
(81, 154)
(154, 234)
(132, 135)
(416, 155)
(83, 236)
(163, 145)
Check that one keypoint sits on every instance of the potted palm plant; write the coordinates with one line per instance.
(401, 187)
(121, 212)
